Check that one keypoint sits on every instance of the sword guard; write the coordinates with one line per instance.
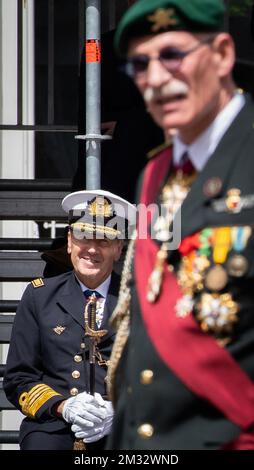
(95, 333)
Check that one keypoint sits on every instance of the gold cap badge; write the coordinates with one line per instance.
(100, 206)
(162, 18)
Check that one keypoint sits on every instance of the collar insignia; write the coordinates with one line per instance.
(162, 18)
(100, 206)
(59, 329)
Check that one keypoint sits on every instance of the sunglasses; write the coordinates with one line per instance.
(169, 57)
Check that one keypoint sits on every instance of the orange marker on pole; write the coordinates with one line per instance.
(93, 50)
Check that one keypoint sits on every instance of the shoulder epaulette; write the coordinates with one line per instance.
(155, 151)
(38, 282)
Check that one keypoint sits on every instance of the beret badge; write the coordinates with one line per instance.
(162, 18)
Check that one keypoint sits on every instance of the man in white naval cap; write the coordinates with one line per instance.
(47, 375)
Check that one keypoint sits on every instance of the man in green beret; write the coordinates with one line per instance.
(182, 368)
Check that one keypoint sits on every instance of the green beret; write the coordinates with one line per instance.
(156, 16)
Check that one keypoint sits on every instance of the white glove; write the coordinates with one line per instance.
(84, 410)
(92, 434)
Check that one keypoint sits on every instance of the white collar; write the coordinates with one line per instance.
(203, 147)
(102, 289)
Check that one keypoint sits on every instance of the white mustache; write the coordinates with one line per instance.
(172, 88)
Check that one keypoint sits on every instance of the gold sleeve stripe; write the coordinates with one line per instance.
(36, 391)
(33, 400)
(33, 391)
(35, 395)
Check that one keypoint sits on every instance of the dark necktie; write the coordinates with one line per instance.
(185, 164)
(89, 292)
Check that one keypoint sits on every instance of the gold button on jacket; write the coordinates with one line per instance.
(76, 374)
(146, 377)
(145, 430)
(77, 358)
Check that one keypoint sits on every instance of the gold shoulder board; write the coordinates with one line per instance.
(38, 282)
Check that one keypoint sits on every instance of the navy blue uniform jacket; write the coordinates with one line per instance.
(45, 363)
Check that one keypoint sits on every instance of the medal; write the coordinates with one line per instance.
(217, 313)
(212, 187)
(216, 279)
(156, 276)
(237, 266)
(173, 194)
(184, 306)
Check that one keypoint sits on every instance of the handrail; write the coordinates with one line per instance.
(35, 185)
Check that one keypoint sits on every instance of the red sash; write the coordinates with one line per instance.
(204, 367)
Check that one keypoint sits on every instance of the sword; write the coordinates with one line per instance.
(94, 337)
